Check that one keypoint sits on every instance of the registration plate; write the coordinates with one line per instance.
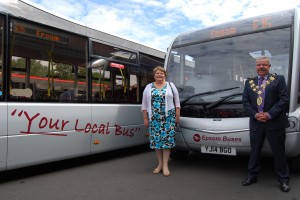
(218, 150)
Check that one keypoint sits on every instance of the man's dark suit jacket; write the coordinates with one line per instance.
(276, 101)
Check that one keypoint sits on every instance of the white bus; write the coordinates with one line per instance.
(67, 90)
(209, 67)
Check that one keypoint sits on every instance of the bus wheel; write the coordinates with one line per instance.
(179, 154)
(295, 164)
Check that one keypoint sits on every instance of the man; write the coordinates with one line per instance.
(265, 99)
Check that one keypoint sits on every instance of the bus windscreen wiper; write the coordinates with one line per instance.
(217, 103)
(205, 93)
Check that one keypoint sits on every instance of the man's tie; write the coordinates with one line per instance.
(262, 95)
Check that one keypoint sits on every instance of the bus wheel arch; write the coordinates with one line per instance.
(178, 154)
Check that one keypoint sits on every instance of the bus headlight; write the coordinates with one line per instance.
(293, 121)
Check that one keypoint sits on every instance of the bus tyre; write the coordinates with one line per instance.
(295, 164)
(179, 154)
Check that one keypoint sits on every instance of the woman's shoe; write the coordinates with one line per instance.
(167, 173)
(156, 171)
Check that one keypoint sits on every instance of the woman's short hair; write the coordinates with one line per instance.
(159, 68)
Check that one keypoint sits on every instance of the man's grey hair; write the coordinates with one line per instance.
(264, 58)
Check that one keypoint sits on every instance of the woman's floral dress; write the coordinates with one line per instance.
(161, 127)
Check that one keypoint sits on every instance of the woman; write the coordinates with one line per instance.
(160, 115)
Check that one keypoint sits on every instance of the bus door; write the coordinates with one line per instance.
(3, 105)
(116, 109)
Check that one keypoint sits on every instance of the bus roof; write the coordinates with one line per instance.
(27, 10)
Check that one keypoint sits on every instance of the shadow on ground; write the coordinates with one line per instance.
(69, 163)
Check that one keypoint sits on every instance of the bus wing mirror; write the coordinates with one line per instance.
(98, 63)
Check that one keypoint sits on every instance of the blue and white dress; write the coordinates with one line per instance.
(161, 126)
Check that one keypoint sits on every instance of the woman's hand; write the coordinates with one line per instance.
(177, 115)
(146, 122)
(177, 119)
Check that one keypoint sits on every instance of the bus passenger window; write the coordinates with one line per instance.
(120, 92)
(148, 63)
(19, 85)
(101, 85)
(48, 70)
(110, 82)
(133, 96)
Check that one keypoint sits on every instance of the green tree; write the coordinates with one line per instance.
(64, 71)
(38, 69)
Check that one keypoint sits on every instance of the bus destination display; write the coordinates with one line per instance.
(267, 22)
(39, 32)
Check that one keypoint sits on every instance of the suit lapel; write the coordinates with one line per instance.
(267, 89)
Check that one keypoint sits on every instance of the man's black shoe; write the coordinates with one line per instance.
(284, 187)
(249, 181)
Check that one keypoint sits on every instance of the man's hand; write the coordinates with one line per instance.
(262, 116)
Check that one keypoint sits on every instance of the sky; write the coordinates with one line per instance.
(156, 23)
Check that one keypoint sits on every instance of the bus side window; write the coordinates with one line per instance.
(48, 67)
(148, 63)
(134, 77)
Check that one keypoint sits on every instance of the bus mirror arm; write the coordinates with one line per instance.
(217, 103)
